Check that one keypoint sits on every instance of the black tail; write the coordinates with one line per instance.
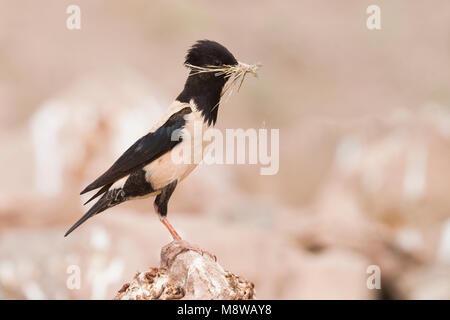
(108, 200)
(99, 193)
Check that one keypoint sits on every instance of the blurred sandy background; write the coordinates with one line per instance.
(364, 119)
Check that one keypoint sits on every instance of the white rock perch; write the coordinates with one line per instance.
(186, 274)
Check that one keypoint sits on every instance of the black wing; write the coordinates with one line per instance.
(143, 151)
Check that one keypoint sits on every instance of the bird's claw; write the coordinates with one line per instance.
(213, 256)
(184, 245)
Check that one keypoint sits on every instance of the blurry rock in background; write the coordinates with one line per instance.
(75, 134)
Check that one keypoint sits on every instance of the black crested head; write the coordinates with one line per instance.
(209, 53)
(206, 88)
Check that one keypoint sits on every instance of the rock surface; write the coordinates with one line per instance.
(186, 274)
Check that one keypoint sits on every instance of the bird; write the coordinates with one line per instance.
(147, 168)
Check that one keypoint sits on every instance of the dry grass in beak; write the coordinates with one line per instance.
(234, 73)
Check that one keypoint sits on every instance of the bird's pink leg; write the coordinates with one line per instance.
(169, 227)
(184, 245)
(166, 222)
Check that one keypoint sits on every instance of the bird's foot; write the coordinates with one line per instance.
(176, 247)
(196, 248)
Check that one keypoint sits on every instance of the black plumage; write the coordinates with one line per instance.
(145, 150)
(203, 54)
(145, 168)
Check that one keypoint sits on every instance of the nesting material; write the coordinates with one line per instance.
(234, 73)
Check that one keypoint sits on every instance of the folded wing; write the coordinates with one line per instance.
(143, 151)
